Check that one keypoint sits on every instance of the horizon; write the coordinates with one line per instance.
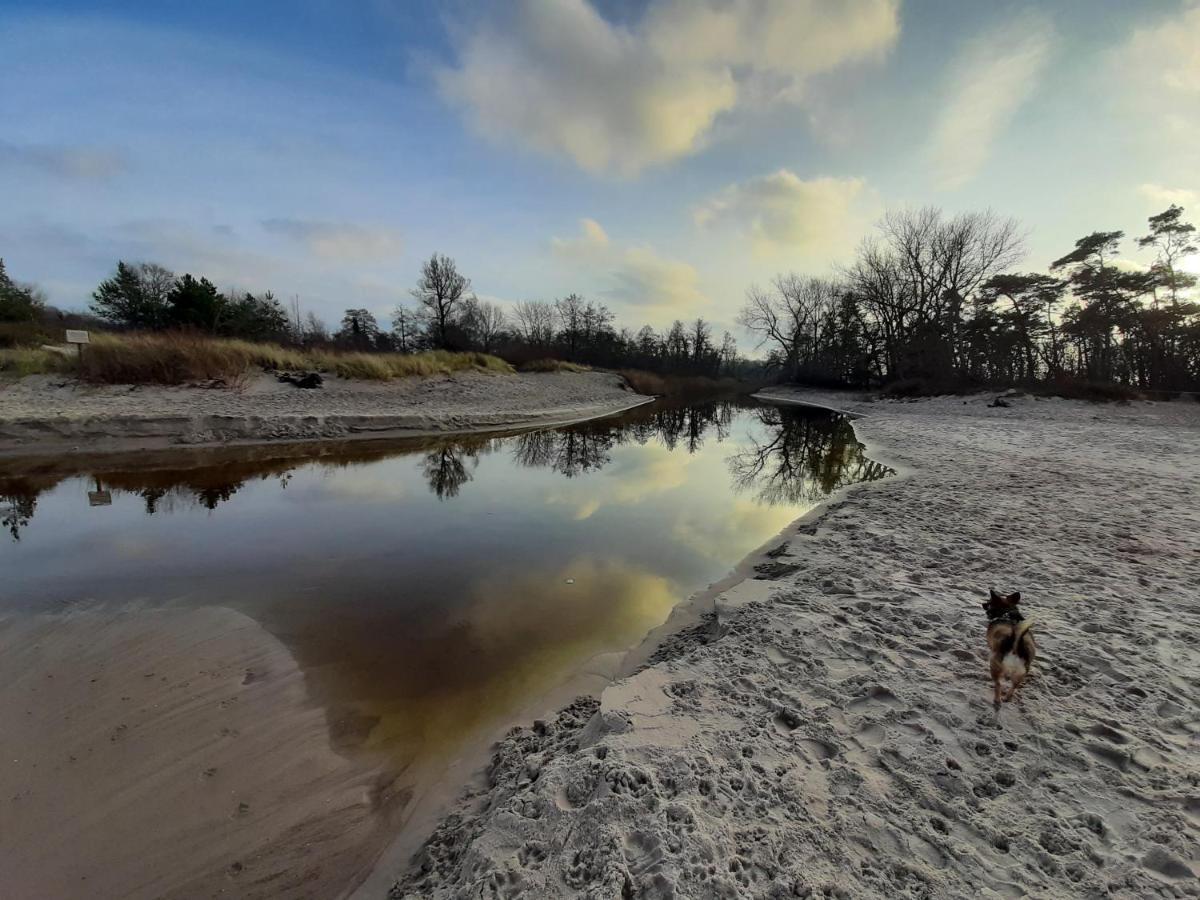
(324, 155)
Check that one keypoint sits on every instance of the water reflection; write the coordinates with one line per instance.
(801, 458)
(429, 589)
(794, 456)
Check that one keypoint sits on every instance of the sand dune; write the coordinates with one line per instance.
(830, 733)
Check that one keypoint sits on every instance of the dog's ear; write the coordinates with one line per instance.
(986, 604)
(1015, 597)
(995, 595)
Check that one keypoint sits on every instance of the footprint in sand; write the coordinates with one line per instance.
(876, 696)
(818, 748)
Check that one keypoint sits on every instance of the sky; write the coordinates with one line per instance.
(659, 156)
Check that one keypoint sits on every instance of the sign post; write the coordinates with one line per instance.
(78, 338)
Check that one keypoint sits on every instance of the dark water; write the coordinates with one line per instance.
(430, 588)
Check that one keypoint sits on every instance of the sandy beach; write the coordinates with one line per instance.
(827, 730)
(42, 414)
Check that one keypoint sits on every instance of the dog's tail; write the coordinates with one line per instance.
(1012, 662)
(1018, 633)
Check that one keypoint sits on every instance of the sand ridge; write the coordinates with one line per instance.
(831, 733)
(42, 414)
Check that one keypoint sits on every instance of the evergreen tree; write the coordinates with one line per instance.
(195, 304)
(133, 297)
(17, 303)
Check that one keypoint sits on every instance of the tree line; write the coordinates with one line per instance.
(933, 298)
(445, 314)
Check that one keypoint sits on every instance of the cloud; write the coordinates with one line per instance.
(1158, 71)
(72, 163)
(339, 241)
(556, 76)
(782, 212)
(1161, 197)
(990, 79)
(592, 243)
(659, 288)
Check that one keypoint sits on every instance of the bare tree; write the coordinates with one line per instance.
(484, 321)
(406, 327)
(914, 279)
(441, 290)
(535, 322)
(787, 317)
(315, 331)
(728, 353)
(570, 313)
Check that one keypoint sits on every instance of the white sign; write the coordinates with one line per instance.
(77, 337)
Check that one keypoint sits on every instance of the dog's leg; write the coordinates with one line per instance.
(995, 666)
(1017, 678)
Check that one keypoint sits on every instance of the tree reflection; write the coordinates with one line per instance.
(805, 456)
(587, 447)
(17, 506)
(570, 451)
(445, 470)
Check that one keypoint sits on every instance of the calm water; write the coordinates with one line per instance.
(431, 588)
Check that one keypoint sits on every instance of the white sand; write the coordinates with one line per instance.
(172, 753)
(46, 415)
(832, 733)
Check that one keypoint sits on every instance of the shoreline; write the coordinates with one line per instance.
(115, 419)
(623, 777)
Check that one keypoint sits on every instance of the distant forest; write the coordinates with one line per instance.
(930, 302)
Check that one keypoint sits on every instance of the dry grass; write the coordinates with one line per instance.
(182, 358)
(551, 365)
(22, 361)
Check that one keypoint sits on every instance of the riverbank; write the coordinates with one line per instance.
(830, 732)
(45, 414)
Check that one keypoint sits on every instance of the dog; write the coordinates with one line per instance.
(1010, 643)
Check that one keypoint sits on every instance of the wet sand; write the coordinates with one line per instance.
(207, 771)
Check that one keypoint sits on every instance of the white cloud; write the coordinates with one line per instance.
(1158, 73)
(783, 213)
(339, 240)
(989, 81)
(1161, 197)
(556, 76)
(657, 289)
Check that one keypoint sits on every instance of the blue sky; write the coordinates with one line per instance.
(659, 155)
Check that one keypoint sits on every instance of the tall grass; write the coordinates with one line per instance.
(183, 358)
(22, 361)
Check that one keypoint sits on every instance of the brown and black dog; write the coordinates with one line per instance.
(1010, 643)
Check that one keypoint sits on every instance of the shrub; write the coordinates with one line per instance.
(921, 386)
(653, 384)
(24, 334)
(1092, 391)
